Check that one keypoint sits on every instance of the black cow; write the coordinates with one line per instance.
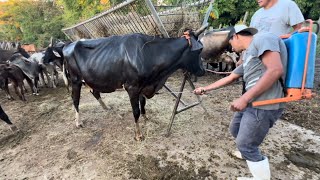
(29, 68)
(6, 119)
(15, 74)
(139, 63)
(54, 54)
(53, 57)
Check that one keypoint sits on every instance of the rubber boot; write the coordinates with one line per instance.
(260, 170)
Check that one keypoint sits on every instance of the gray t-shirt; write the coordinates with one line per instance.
(253, 69)
(278, 19)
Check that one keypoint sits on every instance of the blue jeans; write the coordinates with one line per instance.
(250, 127)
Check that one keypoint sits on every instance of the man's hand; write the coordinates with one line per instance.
(239, 104)
(199, 91)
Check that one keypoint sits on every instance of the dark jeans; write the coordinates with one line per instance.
(250, 127)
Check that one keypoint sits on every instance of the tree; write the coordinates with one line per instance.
(76, 11)
(35, 23)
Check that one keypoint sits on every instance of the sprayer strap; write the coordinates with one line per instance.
(284, 89)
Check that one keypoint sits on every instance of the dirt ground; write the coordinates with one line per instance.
(49, 146)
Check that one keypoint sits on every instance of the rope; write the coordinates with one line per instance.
(216, 72)
(180, 92)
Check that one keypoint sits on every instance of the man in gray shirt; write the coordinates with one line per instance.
(265, 61)
(277, 16)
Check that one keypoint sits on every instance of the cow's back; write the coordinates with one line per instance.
(135, 59)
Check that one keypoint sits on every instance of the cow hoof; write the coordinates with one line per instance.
(145, 117)
(139, 138)
(14, 128)
(79, 125)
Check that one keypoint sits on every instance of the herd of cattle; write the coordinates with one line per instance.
(139, 63)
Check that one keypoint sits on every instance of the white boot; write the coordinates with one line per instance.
(260, 170)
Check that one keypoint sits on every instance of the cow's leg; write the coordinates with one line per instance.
(142, 100)
(96, 94)
(134, 100)
(6, 119)
(53, 79)
(76, 90)
(21, 93)
(57, 77)
(43, 82)
(45, 71)
(24, 88)
(36, 85)
(6, 89)
(32, 86)
(50, 69)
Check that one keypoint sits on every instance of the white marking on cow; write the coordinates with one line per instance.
(56, 53)
(77, 119)
(139, 136)
(65, 79)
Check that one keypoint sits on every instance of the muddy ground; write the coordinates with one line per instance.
(49, 146)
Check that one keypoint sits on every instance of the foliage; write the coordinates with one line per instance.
(231, 12)
(76, 11)
(309, 8)
(32, 22)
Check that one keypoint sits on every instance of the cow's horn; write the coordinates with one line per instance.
(199, 31)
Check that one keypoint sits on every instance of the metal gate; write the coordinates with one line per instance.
(141, 16)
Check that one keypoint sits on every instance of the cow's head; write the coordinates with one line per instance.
(215, 42)
(53, 54)
(193, 62)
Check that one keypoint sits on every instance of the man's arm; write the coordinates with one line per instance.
(224, 81)
(272, 61)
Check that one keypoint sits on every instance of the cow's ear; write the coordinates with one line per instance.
(56, 53)
(196, 45)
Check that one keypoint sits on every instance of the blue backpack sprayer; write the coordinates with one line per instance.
(301, 47)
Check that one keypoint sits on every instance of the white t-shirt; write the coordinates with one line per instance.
(278, 19)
